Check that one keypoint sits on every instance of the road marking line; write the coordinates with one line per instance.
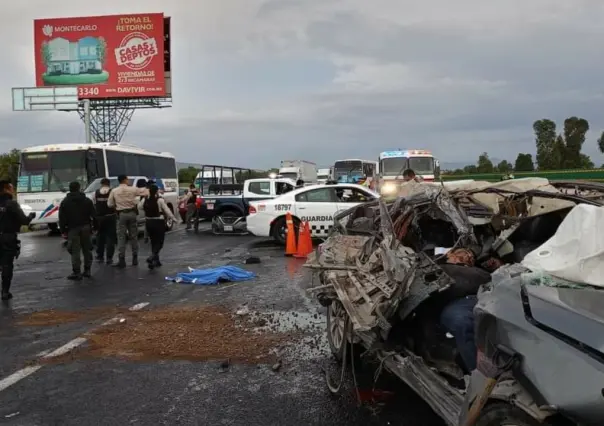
(66, 348)
(139, 306)
(18, 376)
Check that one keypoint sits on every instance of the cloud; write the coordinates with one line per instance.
(258, 81)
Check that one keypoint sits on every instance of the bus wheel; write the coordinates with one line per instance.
(53, 228)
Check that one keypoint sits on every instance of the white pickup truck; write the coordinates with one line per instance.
(227, 205)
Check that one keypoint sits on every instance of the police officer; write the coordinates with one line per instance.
(106, 223)
(124, 200)
(11, 220)
(191, 205)
(76, 218)
(156, 212)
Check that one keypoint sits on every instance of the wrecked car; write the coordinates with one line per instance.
(395, 277)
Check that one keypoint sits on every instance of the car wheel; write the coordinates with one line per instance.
(279, 232)
(502, 414)
(336, 321)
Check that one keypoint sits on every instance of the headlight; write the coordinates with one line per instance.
(388, 188)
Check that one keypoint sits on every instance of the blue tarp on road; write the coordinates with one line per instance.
(212, 275)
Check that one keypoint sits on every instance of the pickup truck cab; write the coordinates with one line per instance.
(227, 205)
(171, 197)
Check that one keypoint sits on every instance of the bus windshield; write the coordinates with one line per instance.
(51, 171)
(422, 165)
(347, 168)
(394, 166)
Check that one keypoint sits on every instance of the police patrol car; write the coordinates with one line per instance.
(316, 204)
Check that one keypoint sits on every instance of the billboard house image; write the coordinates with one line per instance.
(118, 56)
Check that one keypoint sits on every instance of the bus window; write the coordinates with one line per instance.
(394, 166)
(422, 165)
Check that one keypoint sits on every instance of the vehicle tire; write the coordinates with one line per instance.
(53, 228)
(228, 216)
(502, 414)
(336, 320)
(280, 227)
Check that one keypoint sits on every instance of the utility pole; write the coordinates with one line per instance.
(87, 129)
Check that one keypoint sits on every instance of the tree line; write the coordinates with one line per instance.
(555, 150)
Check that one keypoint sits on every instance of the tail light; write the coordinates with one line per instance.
(198, 202)
(252, 210)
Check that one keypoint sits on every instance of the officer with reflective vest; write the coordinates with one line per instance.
(11, 220)
(106, 224)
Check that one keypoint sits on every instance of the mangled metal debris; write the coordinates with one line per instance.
(393, 266)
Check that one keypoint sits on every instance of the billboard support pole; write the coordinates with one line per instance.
(87, 129)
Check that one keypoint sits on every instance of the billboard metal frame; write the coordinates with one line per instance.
(63, 98)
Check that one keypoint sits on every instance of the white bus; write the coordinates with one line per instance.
(355, 170)
(45, 172)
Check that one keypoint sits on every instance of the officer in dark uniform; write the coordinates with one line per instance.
(106, 223)
(76, 218)
(11, 220)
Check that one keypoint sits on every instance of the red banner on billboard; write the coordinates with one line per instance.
(120, 56)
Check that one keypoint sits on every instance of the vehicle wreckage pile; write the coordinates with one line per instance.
(395, 267)
(379, 249)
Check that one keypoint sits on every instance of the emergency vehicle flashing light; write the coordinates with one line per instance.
(405, 153)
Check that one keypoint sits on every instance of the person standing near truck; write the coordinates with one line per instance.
(191, 204)
(124, 199)
(156, 213)
(106, 223)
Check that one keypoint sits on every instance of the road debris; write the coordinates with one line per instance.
(195, 334)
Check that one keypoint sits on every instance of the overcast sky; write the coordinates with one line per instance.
(259, 81)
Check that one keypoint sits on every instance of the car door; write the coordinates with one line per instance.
(317, 207)
(350, 196)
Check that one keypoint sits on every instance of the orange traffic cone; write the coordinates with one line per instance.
(304, 241)
(290, 238)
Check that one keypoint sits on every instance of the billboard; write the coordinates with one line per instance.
(118, 56)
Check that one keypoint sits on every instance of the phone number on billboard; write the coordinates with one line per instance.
(88, 91)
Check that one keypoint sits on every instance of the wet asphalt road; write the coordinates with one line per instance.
(117, 392)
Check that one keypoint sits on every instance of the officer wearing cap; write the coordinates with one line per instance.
(11, 220)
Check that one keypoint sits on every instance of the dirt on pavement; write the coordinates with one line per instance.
(206, 333)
